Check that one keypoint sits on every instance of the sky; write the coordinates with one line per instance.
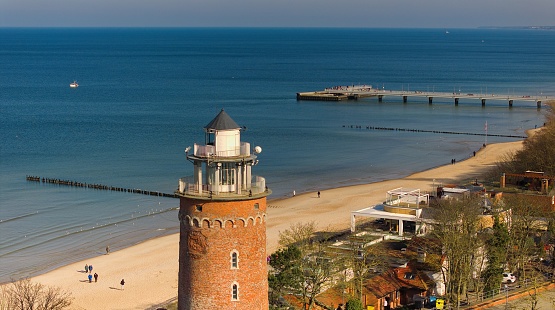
(277, 13)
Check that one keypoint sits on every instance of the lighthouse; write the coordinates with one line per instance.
(222, 214)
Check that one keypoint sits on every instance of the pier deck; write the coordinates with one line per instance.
(355, 92)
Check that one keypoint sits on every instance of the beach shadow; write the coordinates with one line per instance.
(115, 288)
(81, 271)
(83, 280)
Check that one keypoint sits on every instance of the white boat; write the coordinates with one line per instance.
(74, 84)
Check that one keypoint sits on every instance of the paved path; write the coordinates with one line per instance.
(546, 301)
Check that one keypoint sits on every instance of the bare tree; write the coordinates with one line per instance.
(363, 261)
(525, 219)
(457, 229)
(316, 265)
(298, 234)
(26, 295)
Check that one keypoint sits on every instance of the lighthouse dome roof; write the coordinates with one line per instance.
(222, 121)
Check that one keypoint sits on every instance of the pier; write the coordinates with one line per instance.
(355, 92)
(97, 186)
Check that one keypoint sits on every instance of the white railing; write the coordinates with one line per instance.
(210, 150)
(187, 186)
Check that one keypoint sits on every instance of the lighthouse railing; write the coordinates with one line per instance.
(210, 150)
(188, 187)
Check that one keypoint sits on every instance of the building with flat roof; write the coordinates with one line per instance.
(404, 210)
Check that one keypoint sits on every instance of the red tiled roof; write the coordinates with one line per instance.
(395, 279)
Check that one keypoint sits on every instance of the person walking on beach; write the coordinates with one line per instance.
(107, 250)
(294, 193)
(122, 283)
(86, 268)
(90, 278)
(90, 268)
(318, 194)
(95, 277)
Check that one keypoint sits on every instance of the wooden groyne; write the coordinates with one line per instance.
(98, 186)
(432, 131)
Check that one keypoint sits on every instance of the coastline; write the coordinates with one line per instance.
(150, 269)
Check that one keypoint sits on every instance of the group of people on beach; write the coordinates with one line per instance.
(89, 268)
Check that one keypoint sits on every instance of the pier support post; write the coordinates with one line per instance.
(483, 102)
(456, 101)
(502, 181)
(510, 103)
(380, 98)
(430, 99)
(404, 99)
(539, 104)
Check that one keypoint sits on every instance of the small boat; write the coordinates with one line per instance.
(74, 84)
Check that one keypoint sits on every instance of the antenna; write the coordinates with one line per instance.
(187, 149)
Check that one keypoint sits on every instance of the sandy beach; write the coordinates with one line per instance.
(150, 268)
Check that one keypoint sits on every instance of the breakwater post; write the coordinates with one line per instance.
(97, 186)
(431, 131)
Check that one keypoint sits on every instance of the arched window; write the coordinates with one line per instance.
(234, 260)
(235, 292)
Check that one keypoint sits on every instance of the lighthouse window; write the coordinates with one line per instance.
(227, 177)
(234, 260)
(198, 208)
(235, 292)
(256, 206)
(227, 174)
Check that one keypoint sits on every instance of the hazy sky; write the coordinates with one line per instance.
(276, 13)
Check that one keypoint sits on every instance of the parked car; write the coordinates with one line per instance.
(508, 277)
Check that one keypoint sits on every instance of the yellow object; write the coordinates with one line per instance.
(369, 307)
(440, 303)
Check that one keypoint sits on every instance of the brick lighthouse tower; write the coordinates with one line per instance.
(222, 246)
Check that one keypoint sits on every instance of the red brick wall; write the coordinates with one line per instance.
(206, 275)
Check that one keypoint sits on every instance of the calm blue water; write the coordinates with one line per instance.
(146, 94)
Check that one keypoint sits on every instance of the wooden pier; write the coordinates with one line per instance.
(98, 186)
(355, 92)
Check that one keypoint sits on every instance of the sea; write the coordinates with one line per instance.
(145, 94)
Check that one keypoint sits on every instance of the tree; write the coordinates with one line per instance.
(537, 153)
(525, 219)
(25, 295)
(285, 273)
(315, 268)
(456, 227)
(298, 234)
(363, 261)
(354, 304)
(496, 249)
